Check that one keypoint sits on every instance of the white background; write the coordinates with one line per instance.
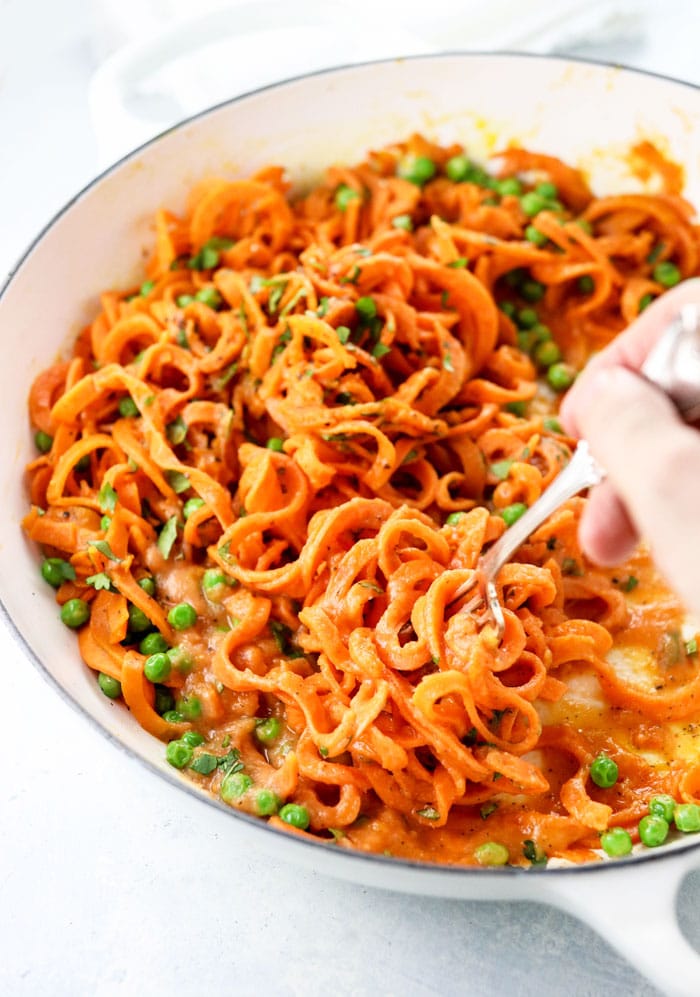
(114, 883)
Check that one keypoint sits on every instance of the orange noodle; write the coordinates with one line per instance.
(267, 473)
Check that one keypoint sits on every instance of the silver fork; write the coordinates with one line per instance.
(673, 365)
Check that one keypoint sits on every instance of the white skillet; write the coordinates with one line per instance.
(586, 113)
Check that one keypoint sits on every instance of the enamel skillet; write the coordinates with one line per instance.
(586, 113)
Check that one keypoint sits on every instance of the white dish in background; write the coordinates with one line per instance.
(585, 113)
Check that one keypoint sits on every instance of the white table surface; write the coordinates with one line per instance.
(114, 883)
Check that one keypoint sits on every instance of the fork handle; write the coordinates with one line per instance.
(581, 472)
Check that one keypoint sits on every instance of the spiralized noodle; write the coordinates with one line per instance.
(337, 402)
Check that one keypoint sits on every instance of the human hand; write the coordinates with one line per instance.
(652, 457)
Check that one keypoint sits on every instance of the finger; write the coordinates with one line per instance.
(607, 534)
(630, 348)
(653, 463)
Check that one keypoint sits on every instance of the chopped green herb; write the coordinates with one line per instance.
(487, 809)
(103, 547)
(107, 498)
(283, 639)
(459, 263)
(176, 431)
(501, 469)
(352, 277)
(380, 350)
(178, 481)
(204, 763)
(691, 646)
(343, 333)
(99, 581)
(447, 361)
(631, 583)
(167, 537)
(430, 813)
(532, 853)
(404, 222)
(323, 306)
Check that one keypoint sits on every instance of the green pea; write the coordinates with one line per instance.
(212, 578)
(604, 771)
(180, 659)
(344, 195)
(55, 571)
(366, 308)
(512, 513)
(173, 717)
(191, 505)
(234, 786)
(454, 518)
(105, 523)
(179, 754)
(546, 353)
(154, 643)
(148, 585)
(532, 290)
(404, 222)
(540, 333)
(517, 408)
(514, 278)
(275, 443)
(561, 376)
(653, 831)
(193, 738)
(128, 408)
(189, 706)
(527, 318)
(508, 308)
(157, 667)
(662, 806)
(509, 186)
(644, 302)
(687, 817)
(667, 273)
(533, 234)
(210, 297)
(163, 702)
(547, 190)
(586, 284)
(416, 169)
(75, 613)
(532, 203)
(524, 341)
(42, 441)
(182, 616)
(138, 621)
(112, 688)
(267, 802)
(268, 730)
(491, 853)
(458, 168)
(616, 842)
(295, 815)
(552, 425)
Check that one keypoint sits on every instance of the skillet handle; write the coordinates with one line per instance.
(632, 905)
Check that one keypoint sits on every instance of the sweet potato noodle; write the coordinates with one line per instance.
(302, 431)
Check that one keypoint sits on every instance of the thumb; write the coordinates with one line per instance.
(653, 462)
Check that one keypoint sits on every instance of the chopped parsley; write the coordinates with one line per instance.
(167, 537)
(107, 498)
